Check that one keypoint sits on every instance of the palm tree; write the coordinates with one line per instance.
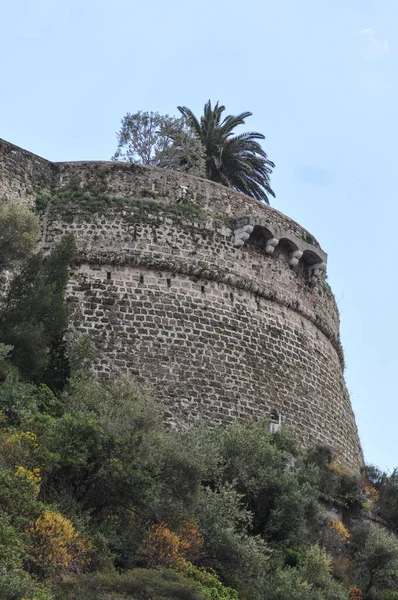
(238, 162)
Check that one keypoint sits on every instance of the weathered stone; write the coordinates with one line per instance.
(220, 325)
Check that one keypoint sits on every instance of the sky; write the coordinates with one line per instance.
(320, 78)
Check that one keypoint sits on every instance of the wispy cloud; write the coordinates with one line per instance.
(379, 46)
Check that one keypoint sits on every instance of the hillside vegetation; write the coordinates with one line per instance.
(100, 501)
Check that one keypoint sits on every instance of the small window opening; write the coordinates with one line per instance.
(141, 279)
(168, 282)
(275, 423)
(202, 289)
(108, 275)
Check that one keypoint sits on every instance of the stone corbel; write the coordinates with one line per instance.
(317, 270)
(270, 236)
(295, 257)
(242, 234)
(271, 245)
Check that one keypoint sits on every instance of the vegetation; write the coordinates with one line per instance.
(98, 501)
(239, 161)
(158, 140)
(206, 147)
(88, 198)
(94, 199)
(19, 231)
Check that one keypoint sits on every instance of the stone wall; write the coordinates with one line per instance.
(217, 302)
(23, 175)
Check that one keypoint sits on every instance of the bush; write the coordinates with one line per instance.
(311, 581)
(375, 556)
(139, 584)
(34, 317)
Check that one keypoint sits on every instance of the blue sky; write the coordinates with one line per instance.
(321, 80)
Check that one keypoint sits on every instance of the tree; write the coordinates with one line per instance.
(167, 548)
(137, 584)
(34, 315)
(100, 451)
(230, 546)
(19, 230)
(375, 554)
(156, 140)
(15, 583)
(238, 162)
(56, 547)
(312, 580)
(386, 487)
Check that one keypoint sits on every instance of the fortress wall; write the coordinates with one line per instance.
(213, 299)
(218, 332)
(23, 175)
(210, 351)
(198, 245)
(127, 180)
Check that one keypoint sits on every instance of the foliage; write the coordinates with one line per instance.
(19, 232)
(340, 529)
(383, 489)
(97, 459)
(160, 141)
(34, 316)
(5, 352)
(14, 581)
(210, 583)
(293, 557)
(229, 546)
(278, 488)
(239, 161)
(338, 482)
(355, 593)
(56, 548)
(137, 584)
(164, 547)
(18, 505)
(99, 501)
(87, 197)
(311, 581)
(20, 401)
(375, 555)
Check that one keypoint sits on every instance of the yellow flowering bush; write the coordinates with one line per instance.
(21, 438)
(56, 546)
(32, 475)
(372, 493)
(340, 529)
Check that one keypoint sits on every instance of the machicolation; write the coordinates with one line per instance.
(217, 301)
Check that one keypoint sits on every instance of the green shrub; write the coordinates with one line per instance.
(87, 198)
(140, 584)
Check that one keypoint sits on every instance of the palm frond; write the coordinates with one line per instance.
(236, 161)
(191, 119)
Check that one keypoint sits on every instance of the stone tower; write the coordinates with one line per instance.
(217, 301)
